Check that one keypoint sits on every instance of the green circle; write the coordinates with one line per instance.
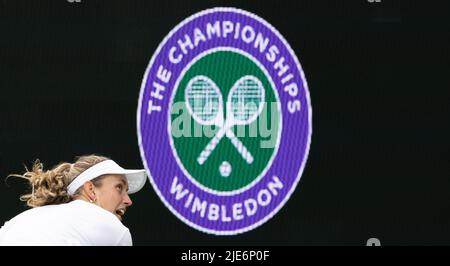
(190, 138)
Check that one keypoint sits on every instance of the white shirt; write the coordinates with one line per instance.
(77, 223)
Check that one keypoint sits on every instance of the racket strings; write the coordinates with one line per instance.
(203, 100)
(246, 99)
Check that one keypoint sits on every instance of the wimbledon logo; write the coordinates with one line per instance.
(224, 121)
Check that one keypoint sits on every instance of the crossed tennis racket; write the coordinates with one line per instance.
(205, 104)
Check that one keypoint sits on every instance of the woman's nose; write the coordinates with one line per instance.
(127, 201)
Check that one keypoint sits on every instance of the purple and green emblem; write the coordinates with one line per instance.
(224, 121)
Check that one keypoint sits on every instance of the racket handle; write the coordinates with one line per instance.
(210, 147)
(240, 147)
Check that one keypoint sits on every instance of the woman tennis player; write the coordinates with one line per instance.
(79, 203)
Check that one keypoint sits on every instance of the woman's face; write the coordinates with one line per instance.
(112, 194)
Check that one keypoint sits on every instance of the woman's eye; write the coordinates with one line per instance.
(119, 187)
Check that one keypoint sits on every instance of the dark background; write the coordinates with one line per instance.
(70, 75)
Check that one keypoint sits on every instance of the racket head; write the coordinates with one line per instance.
(204, 100)
(246, 100)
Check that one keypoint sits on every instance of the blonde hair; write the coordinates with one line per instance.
(50, 187)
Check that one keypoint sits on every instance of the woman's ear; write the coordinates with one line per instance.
(89, 190)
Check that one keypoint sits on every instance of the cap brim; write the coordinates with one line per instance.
(136, 179)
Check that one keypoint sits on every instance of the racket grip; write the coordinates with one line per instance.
(210, 147)
(240, 147)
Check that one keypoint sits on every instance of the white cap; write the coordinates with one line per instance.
(136, 178)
